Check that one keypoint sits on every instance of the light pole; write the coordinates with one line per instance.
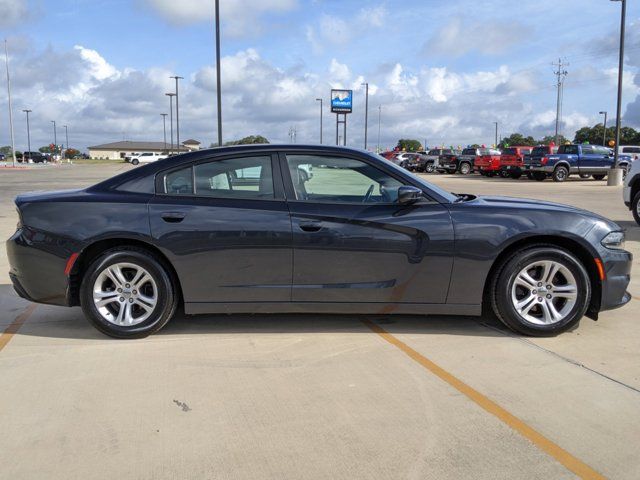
(320, 100)
(496, 124)
(379, 124)
(366, 111)
(177, 113)
(171, 95)
(55, 138)
(66, 136)
(13, 145)
(28, 136)
(615, 174)
(218, 87)
(164, 129)
(604, 135)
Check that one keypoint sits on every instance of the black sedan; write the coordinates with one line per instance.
(250, 230)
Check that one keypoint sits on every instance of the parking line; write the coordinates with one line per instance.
(14, 326)
(570, 462)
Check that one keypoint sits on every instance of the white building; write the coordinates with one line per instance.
(119, 150)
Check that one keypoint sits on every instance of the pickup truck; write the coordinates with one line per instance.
(631, 190)
(536, 155)
(488, 163)
(458, 161)
(512, 161)
(575, 159)
(429, 162)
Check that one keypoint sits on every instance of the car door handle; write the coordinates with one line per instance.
(310, 226)
(173, 217)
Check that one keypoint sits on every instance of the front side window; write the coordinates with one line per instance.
(243, 177)
(340, 180)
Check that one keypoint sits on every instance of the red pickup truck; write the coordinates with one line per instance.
(488, 162)
(512, 161)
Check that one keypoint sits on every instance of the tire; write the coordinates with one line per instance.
(560, 174)
(584, 176)
(504, 174)
(516, 175)
(465, 168)
(635, 206)
(598, 177)
(530, 175)
(491, 174)
(135, 161)
(430, 168)
(159, 293)
(535, 317)
(539, 176)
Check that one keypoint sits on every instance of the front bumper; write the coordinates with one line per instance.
(617, 266)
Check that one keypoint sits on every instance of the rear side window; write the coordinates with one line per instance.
(179, 182)
(509, 151)
(568, 149)
(244, 177)
(630, 149)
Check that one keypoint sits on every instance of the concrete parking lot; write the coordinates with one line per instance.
(313, 396)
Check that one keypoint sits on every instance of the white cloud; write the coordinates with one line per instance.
(373, 16)
(239, 17)
(12, 12)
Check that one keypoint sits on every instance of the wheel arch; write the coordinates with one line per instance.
(91, 251)
(562, 163)
(576, 247)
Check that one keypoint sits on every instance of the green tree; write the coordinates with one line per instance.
(547, 140)
(517, 139)
(71, 152)
(48, 149)
(409, 145)
(594, 135)
(250, 140)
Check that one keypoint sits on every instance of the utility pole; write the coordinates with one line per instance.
(13, 145)
(177, 112)
(366, 112)
(66, 136)
(561, 73)
(164, 129)
(55, 138)
(320, 100)
(171, 95)
(496, 144)
(379, 124)
(604, 135)
(218, 87)
(28, 137)
(615, 174)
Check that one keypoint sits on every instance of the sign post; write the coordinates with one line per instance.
(341, 105)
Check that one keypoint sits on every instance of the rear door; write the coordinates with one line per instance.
(352, 241)
(225, 226)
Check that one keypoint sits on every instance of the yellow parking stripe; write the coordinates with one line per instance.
(14, 326)
(570, 462)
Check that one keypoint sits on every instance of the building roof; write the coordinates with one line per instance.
(191, 141)
(134, 146)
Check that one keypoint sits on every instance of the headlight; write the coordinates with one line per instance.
(614, 240)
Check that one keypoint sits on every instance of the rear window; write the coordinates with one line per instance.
(469, 151)
(540, 151)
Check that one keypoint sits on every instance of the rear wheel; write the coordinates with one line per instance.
(504, 173)
(560, 174)
(541, 291)
(430, 168)
(585, 175)
(598, 177)
(635, 205)
(127, 293)
(539, 176)
(516, 175)
(465, 168)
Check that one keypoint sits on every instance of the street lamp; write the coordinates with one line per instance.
(66, 136)
(55, 138)
(218, 88)
(164, 128)
(604, 135)
(615, 174)
(171, 95)
(366, 111)
(177, 113)
(28, 136)
(320, 100)
(379, 123)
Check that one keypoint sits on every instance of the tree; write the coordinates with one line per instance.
(517, 139)
(549, 139)
(409, 145)
(250, 140)
(48, 149)
(71, 152)
(594, 135)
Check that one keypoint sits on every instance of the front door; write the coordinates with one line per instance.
(352, 241)
(225, 226)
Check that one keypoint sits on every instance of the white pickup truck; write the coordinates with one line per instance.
(146, 157)
(631, 191)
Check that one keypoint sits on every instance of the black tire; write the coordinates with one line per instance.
(635, 205)
(584, 176)
(560, 174)
(504, 278)
(539, 176)
(516, 175)
(504, 173)
(598, 177)
(430, 168)
(465, 168)
(167, 301)
(530, 175)
(135, 161)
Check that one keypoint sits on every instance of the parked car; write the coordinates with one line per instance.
(35, 157)
(368, 237)
(430, 161)
(448, 162)
(2, 157)
(633, 150)
(512, 161)
(536, 155)
(488, 162)
(631, 190)
(405, 159)
(147, 157)
(575, 159)
(464, 162)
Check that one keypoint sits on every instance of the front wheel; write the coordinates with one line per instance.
(636, 208)
(598, 177)
(560, 174)
(135, 161)
(127, 293)
(541, 291)
(430, 168)
(465, 168)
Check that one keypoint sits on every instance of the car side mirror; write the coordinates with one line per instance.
(408, 195)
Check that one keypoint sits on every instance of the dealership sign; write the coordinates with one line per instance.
(341, 101)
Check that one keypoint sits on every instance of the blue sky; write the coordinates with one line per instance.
(442, 71)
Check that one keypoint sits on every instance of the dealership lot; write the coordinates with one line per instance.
(318, 396)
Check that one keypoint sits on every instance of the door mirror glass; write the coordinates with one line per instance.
(408, 194)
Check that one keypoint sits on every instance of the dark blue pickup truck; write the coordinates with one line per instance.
(583, 160)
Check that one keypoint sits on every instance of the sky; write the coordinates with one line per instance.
(438, 71)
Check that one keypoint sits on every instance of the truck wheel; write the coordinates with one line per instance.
(560, 174)
(598, 177)
(635, 205)
(465, 168)
(516, 175)
(585, 175)
(430, 168)
(530, 175)
(539, 176)
(135, 161)
(504, 173)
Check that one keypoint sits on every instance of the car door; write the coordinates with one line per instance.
(590, 160)
(224, 224)
(352, 241)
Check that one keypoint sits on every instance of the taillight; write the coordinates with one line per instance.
(544, 160)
